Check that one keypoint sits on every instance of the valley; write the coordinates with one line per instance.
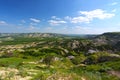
(50, 56)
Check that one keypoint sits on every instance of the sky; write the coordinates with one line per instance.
(60, 16)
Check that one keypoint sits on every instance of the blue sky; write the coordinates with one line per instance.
(60, 16)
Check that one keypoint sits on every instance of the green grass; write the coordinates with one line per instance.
(13, 62)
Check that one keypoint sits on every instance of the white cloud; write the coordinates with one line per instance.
(23, 21)
(56, 22)
(67, 18)
(53, 17)
(81, 28)
(114, 10)
(31, 28)
(114, 3)
(3, 23)
(98, 13)
(87, 16)
(48, 28)
(80, 19)
(33, 23)
(35, 20)
(56, 18)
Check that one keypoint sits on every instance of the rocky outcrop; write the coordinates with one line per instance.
(111, 38)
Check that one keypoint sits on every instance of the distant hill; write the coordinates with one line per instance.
(110, 38)
(30, 35)
(5, 35)
(81, 35)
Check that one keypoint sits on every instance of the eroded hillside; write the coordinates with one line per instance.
(58, 57)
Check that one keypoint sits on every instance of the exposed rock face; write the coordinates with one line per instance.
(115, 73)
(108, 38)
(91, 51)
(56, 58)
(74, 44)
(71, 57)
(100, 40)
